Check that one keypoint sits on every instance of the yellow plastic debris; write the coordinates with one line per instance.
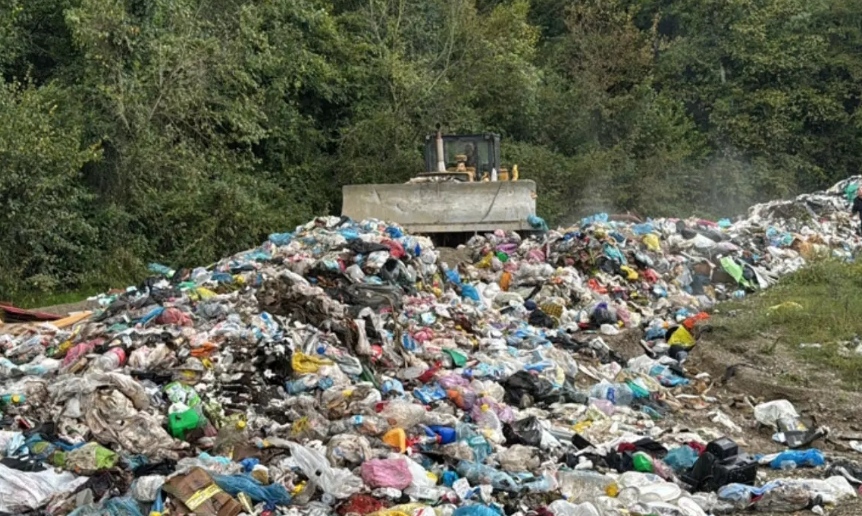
(631, 274)
(652, 242)
(787, 305)
(304, 364)
(681, 337)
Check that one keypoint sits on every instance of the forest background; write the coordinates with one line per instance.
(180, 131)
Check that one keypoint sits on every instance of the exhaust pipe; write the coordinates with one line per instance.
(441, 160)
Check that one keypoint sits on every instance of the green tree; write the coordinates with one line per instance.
(47, 237)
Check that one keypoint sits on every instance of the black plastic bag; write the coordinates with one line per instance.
(523, 387)
(603, 315)
(540, 319)
(526, 431)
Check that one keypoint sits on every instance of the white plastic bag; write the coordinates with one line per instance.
(770, 413)
(21, 491)
(337, 482)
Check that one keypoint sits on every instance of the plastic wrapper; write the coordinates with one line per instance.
(403, 413)
(146, 488)
(517, 458)
(348, 450)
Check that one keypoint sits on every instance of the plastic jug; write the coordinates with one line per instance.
(181, 423)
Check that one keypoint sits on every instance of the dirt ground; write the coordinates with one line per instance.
(744, 375)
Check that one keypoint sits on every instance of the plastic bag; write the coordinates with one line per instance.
(524, 431)
(90, 458)
(273, 494)
(517, 458)
(20, 491)
(348, 450)
(777, 412)
(403, 413)
(394, 473)
(565, 508)
(481, 474)
(146, 488)
(476, 510)
(340, 483)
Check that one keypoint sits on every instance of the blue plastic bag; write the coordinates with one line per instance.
(394, 232)
(593, 219)
(643, 229)
(428, 394)
(453, 276)
(449, 478)
(349, 234)
(476, 510)
(537, 223)
(273, 494)
(681, 459)
(281, 238)
(470, 292)
(811, 458)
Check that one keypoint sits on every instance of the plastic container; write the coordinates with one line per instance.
(445, 434)
(619, 394)
(579, 486)
(489, 424)
(229, 435)
(111, 360)
(12, 399)
(180, 423)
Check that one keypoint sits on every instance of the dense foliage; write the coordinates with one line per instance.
(181, 130)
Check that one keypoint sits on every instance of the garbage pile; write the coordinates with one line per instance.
(343, 368)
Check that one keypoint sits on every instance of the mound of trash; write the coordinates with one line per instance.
(343, 368)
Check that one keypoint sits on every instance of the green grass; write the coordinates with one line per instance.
(829, 295)
(43, 299)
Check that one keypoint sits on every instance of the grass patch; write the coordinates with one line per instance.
(42, 299)
(821, 304)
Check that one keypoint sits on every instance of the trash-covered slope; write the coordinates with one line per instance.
(343, 368)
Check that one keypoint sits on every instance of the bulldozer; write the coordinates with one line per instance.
(463, 190)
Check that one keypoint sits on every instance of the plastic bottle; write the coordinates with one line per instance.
(365, 425)
(12, 399)
(477, 473)
(542, 485)
(666, 377)
(480, 446)
(445, 434)
(304, 384)
(578, 485)
(229, 435)
(619, 394)
(489, 424)
(111, 360)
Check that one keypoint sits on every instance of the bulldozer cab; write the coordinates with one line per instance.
(464, 158)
